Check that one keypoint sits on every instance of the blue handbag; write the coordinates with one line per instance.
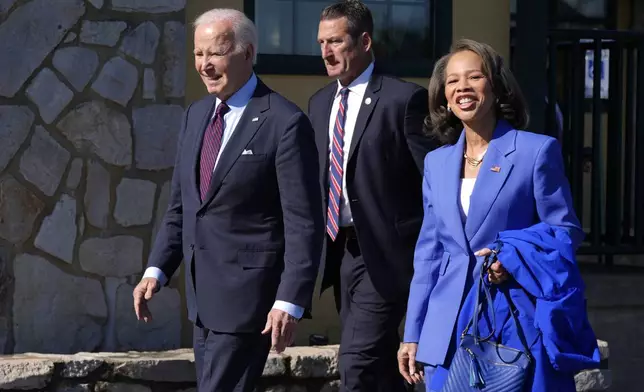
(481, 364)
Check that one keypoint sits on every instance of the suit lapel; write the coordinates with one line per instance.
(449, 192)
(495, 169)
(199, 142)
(367, 105)
(322, 135)
(248, 125)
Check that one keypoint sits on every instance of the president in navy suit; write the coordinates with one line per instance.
(244, 213)
(371, 149)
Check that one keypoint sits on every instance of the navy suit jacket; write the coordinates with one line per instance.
(383, 177)
(257, 236)
(521, 182)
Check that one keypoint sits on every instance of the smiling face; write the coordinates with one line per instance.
(223, 68)
(344, 58)
(467, 89)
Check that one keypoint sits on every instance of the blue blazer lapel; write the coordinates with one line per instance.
(495, 169)
(248, 125)
(449, 191)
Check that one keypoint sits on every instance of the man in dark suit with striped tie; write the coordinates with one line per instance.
(371, 149)
(244, 213)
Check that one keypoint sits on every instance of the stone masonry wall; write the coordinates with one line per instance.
(91, 98)
(298, 369)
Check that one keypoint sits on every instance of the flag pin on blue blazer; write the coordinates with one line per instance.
(496, 169)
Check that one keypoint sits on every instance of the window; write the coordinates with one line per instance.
(577, 13)
(404, 35)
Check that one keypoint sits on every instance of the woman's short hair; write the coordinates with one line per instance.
(443, 125)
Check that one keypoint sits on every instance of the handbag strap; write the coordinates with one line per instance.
(482, 286)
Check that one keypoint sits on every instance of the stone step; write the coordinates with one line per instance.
(313, 368)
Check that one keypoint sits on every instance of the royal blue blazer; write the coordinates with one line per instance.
(521, 182)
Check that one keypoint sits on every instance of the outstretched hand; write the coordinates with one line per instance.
(281, 326)
(143, 292)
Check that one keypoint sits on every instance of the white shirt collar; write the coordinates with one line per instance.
(359, 85)
(243, 95)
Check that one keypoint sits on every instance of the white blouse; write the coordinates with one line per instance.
(467, 186)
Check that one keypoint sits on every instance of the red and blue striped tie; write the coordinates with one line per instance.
(335, 168)
(210, 148)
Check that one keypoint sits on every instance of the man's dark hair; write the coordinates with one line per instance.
(358, 16)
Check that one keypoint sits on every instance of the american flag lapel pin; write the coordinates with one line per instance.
(496, 169)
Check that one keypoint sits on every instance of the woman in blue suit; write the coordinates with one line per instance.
(489, 176)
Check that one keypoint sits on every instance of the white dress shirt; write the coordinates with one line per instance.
(237, 104)
(357, 90)
(467, 186)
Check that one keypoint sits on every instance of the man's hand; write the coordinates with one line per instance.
(281, 325)
(142, 293)
(407, 363)
(497, 273)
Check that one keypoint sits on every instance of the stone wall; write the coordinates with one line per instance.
(91, 98)
(299, 369)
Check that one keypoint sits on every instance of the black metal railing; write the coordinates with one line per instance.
(601, 128)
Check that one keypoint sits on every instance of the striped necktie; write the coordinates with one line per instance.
(210, 148)
(335, 168)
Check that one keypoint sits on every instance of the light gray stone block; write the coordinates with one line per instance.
(118, 256)
(98, 4)
(155, 133)
(97, 195)
(307, 362)
(141, 43)
(162, 333)
(78, 65)
(170, 366)
(117, 81)
(75, 173)
(19, 209)
(149, 84)
(71, 310)
(44, 162)
(57, 235)
(105, 33)
(593, 380)
(49, 94)
(25, 374)
(40, 26)
(134, 202)
(5, 5)
(15, 124)
(153, 7)
(174, 59)
(95, 128)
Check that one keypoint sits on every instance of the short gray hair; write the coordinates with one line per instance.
(243, 28)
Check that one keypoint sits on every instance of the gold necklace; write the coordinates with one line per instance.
(473, 161)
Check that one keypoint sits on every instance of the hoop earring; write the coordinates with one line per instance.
(449, 109)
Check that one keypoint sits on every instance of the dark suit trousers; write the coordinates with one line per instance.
(229, 362)
(369, 340)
